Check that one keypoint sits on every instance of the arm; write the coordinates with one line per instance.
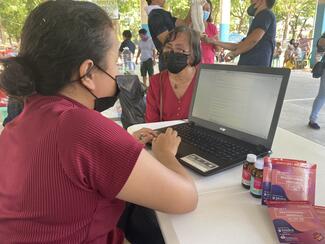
(213, 39)
(250, 42)
(167, 181)
(225, 45)
(138, 55)
(260, 25)
(246, 45)
(99, 163)
(162, 37)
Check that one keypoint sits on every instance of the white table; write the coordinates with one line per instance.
(226, 212)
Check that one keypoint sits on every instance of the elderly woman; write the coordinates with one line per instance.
(66, 170)
(170, 92)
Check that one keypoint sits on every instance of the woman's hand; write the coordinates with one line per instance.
(206, 39)
(144, 135)
(230, 56)
(166, 143)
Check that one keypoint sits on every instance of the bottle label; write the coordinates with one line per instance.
(246, 177)
(256, 186)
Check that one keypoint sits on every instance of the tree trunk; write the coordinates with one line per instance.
(302, 27)
(240, 25)
(286, 29)
(241, 21)
(10, 40)
(1, 34)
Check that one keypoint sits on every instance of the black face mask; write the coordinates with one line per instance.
(251, 10)
(103, 103)
(176, 62)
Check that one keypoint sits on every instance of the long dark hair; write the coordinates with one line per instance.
(58, 36)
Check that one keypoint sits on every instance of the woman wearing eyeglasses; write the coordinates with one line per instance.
(170, 93)
(66, 170)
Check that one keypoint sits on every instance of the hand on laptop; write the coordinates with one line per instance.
(166, 143)
(145, 135)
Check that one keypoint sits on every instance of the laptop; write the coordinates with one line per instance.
(235, 111)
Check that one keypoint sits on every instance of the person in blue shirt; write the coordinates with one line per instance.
(258, 46)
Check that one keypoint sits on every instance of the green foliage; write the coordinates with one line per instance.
(178, 8)
(293, 15)
(13, 14)
(239, 16)
(130, 17)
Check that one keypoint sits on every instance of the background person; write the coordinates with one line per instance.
(304, 44)
(147, 54)
(69, 174)
(211, 32)
(161, 22)
(320, 99)
(170, 93)
(277, 55)
(127, 42)
(289, 59)
(298, 55)
(258, 47)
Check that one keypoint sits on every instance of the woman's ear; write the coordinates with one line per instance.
(85, 71)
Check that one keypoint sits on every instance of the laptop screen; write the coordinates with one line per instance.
(243, 101)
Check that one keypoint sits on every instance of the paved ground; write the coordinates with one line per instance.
(300, 95)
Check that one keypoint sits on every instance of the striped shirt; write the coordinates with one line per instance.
(61, 167)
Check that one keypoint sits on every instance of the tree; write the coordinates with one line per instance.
(240, 21)
(180, 8)
(13, 14)
(130, 18)
(294, 14)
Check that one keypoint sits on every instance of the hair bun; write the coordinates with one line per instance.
(16, 77)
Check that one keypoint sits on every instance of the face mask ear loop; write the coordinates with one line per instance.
(85, 75)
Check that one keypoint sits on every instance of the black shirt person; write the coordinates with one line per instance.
(127, 35)
(258, 47)
(161, 22)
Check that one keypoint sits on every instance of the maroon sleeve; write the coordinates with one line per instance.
(153, 100)
(96, 154)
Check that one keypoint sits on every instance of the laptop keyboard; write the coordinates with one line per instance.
(211, 142)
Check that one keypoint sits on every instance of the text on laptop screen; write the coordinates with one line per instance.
(242, 101)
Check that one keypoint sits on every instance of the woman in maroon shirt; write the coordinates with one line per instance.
(65, 170)
(170, 92)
